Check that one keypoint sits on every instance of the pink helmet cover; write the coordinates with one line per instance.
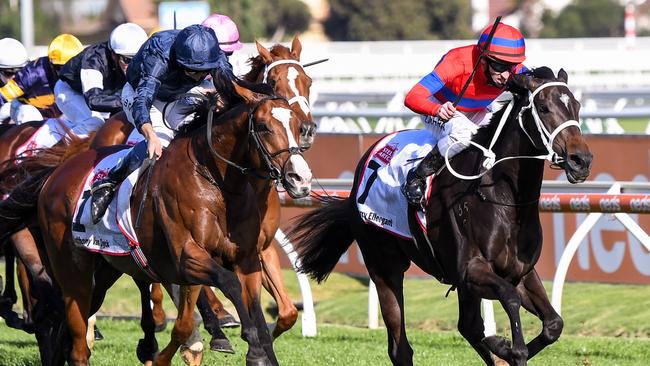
(226, 31)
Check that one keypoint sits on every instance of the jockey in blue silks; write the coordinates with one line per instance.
(170, 63)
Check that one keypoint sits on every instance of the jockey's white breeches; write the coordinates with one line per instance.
(21, 112)
(178, 113)
(459, 128)
(74, 107)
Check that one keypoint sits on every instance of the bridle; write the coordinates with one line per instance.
(546, 136)
(302, 101)
(273, 171)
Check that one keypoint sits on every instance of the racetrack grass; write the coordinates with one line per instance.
(616, 319)
(340, 345)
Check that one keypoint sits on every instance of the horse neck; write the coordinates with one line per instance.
(525, 174)
(229, 137)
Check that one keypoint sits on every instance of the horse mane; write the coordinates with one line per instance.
(201, 116)
(40, 161)
(258, 65)
(519, 95)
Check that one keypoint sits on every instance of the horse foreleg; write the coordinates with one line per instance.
(250, 276)
(219, 341)
(470, 324)
(274, 284)
(26, 295)
(159, 316)
(183, 326)
(535, 300)
(147, 346)
(481, 280)
(9, 295)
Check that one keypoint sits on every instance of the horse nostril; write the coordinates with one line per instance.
(294, 177)
(580, 161)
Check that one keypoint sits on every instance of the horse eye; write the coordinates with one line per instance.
(262, 128)
(543, 108)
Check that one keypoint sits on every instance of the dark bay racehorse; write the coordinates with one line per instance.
(197, 228)
(483, 236)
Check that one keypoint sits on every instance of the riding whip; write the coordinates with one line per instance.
(436, 119)
(315, 62)
(148, 164)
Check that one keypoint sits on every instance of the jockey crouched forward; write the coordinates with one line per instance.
(170, 63)
(12, 58)
(433, 96)
(91, 83)
(31, 91)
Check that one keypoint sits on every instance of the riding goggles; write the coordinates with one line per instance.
(8, 73)
(125, 59)
(500, 66)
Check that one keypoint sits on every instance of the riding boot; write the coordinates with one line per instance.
(103, 190)
(414, 187)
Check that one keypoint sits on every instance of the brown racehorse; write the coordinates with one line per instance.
(289, 80)
(199, 228)
(483, 236)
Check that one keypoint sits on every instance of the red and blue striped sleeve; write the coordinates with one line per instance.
(418, 98)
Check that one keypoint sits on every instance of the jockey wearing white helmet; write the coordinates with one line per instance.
(90, 87)
(12, 58)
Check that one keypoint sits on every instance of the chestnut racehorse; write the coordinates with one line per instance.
(483, 235)
(198, 228)
(280, 68)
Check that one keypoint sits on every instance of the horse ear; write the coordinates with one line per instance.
(296, 48)
(522, 82)
(266, 55)
(562, 75)
(249, 96)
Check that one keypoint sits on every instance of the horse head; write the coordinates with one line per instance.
(273, 132)
(550, 119)
(284, 73)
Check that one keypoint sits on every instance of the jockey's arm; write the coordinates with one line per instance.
(419, 99)
(98, 99)
(11, 91)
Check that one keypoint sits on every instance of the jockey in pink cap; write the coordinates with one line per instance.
(226, 31)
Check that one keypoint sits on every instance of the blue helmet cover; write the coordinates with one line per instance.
(196, 48)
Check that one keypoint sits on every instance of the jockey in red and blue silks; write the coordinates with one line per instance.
(433, 96)
(31, 90)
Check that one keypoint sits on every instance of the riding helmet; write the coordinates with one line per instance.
(127, 38)
(197, 48)
(62, 48)
(507, 44)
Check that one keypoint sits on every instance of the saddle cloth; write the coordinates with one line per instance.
(114, 234)
(379, 198)
(51, 132)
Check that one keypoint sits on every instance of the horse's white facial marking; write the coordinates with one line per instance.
(299, 164)
(284, 115)
(565, 99)
(292, 75)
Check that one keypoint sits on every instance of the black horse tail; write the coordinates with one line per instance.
(322, 236)
(24, 179)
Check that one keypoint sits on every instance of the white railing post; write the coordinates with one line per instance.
(373, 306)
(489, 323)
(308, 313)
(569, 251)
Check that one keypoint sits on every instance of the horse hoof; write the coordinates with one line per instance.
(221, 345)
(262, 361)
(98, 335)
(146, 351)
(191, 357)
(500, 346)
(228, 321)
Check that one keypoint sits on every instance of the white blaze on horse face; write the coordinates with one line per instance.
(292, 75)
(565, 99)
(300, 166)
